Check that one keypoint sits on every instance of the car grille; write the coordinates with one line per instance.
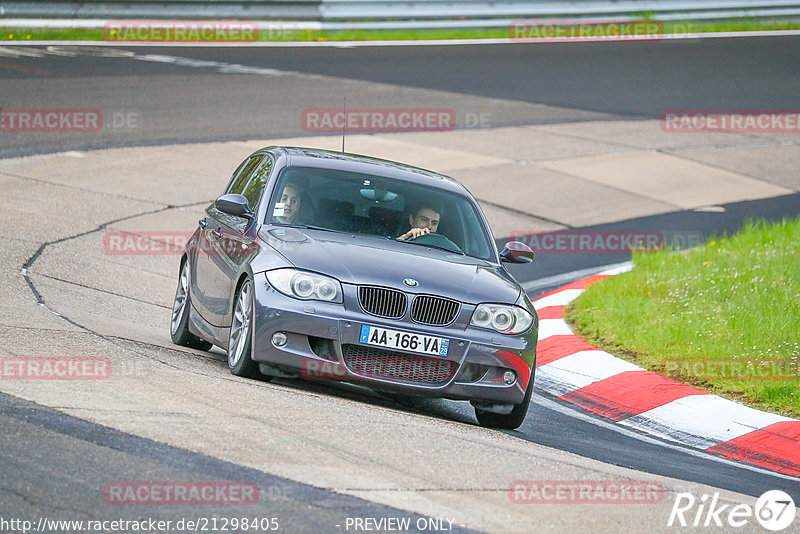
(390, 365)
(383, 302)
(435, 311)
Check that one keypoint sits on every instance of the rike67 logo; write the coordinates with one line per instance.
(774, 510)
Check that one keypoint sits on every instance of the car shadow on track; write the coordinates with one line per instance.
(456, 411)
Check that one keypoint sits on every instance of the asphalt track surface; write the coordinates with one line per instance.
(634, 81)
(74, 457)
(598, 81)
(609, 80)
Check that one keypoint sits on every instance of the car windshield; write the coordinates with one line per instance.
(379, 206)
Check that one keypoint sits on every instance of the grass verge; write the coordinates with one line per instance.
(724, 317)
(276, 35)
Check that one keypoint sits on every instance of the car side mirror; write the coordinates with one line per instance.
(517, 252)
(235, 205)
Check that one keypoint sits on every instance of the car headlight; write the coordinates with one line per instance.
(502, 318)
(305, 285)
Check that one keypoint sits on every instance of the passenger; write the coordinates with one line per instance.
(287, 208)
(423, 220)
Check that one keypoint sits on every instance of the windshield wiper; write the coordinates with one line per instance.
(310, 227)
(411, 242)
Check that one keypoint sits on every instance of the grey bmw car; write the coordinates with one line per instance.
(323, 265)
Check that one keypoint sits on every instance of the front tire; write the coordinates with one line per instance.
(240, 342)
(179, 325)
(509, 421)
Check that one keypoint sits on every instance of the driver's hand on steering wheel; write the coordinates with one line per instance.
(414, 233)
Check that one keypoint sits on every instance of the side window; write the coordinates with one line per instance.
(254, 188)
(246, 169)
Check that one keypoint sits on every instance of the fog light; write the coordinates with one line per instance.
(509, 377)
(279, 339)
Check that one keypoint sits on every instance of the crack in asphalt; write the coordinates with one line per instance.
(38, 329)
(84, 189)
(140, 412)
(40, 299)
(77, 284)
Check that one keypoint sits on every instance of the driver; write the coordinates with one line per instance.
(423, 220)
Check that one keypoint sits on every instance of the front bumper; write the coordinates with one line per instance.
(323, 343)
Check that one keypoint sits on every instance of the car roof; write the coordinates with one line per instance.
(328, 159)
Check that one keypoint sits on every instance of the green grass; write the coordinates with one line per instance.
(87, 34)
(724, 317)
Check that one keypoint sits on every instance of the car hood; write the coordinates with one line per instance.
(365, 260)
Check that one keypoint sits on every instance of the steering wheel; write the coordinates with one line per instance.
(437, 240)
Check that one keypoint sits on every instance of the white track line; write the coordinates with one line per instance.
(702, 420)
(576, 413)
(554, 327)
(420, 42)
(699, 421)
(560, 279)
(562, 298)
(581, 369)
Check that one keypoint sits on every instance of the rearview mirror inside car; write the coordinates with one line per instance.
(375, 190)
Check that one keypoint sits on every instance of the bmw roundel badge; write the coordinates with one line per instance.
(410, 282)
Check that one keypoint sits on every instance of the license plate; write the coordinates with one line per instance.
(394, 339)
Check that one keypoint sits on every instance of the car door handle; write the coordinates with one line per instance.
(203, 223)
